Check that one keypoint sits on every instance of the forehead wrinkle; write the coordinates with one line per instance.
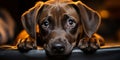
(57, 13)
(71, 12)
(45, 13)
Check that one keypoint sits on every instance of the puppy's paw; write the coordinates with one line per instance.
(26, 44)
(90, 45)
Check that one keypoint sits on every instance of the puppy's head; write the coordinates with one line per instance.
(60, 23)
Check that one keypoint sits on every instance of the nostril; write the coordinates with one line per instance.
(58, 48)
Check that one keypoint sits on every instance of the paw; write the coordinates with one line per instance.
(90, 45)
(26, 44)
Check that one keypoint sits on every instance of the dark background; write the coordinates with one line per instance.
(108, 9)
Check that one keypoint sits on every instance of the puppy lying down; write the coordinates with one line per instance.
(58, 26)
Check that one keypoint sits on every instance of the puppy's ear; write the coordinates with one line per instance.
(29, 19)
(90, 19)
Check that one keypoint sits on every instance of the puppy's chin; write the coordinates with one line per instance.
(50, 52)
(54, 54)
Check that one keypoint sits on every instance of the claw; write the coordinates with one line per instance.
(89, 45)
(26, 44)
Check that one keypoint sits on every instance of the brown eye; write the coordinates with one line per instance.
(45, 24)
(71, 23)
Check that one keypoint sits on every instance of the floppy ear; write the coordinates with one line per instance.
(90, 19)
(29, 19)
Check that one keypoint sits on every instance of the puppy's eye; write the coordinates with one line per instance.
(71, 23)
(45, 24)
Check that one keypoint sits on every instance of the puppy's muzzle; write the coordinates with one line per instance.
(58, 48)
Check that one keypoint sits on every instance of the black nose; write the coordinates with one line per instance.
(58, 48)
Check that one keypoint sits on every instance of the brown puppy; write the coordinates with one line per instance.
(62, 25)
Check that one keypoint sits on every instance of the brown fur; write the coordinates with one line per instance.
(59, 14)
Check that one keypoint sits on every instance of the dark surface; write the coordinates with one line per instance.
(101, 54)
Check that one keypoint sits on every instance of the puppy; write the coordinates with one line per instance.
(60, 25)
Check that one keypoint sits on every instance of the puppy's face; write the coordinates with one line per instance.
(58, 28)
(60, 24)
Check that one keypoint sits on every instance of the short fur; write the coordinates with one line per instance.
(60, 22)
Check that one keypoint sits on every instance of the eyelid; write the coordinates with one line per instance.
(70, 17)
(45, 19)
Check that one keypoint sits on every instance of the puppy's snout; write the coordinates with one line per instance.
(58, 48)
